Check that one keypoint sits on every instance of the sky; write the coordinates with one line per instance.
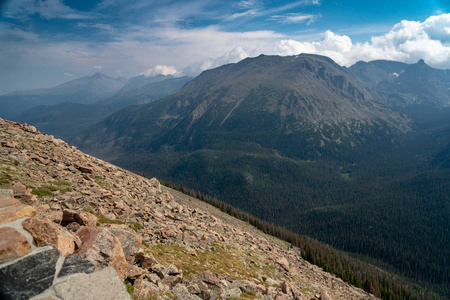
(47, 42)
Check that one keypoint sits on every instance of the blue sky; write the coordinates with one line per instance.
(47, 42)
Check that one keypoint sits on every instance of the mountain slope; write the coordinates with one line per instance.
(84, 90)
(163, 244)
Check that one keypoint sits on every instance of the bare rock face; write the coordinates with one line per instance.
(12, 245)
(102, 248)
(51, 234)
(80, 217)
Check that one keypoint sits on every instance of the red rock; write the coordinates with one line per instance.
(12, 245)
(48, 233)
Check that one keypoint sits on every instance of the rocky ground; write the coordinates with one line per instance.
(75, 227)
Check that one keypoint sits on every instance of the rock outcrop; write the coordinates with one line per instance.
(80, 228)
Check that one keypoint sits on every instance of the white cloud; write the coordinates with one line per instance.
(233, 56)
(68, 74)
(295, 18)
(407, 41)
(98, 67)
(160, 70)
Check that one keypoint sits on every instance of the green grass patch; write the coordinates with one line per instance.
(43, 191)
(217, 260)
(136, 226)
(46, 190)
(105, 220)
(102, 183)
(346, 176)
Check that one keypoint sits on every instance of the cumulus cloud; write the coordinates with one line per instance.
(407, 41)
(160, 70)
(233, 56)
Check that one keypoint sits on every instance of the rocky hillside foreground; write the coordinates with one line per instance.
(75, 227)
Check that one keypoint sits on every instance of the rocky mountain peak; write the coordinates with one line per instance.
(103, 224)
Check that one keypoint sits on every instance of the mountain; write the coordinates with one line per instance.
(84, 90)
(405, 85)
(306, 144)
(132, 93)
(102, 231)
(68, 119)
(292, 105)
(419, 85)
(141, 80)
(373, 72)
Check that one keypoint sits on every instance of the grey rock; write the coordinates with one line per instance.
(234, 292)
(182, 293)
(245, 286)
(104, 284)
(75, 264)
(29, 276)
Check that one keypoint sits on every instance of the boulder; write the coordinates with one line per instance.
(78, 216)
(143, 260)
(102, 248)
(131, 242)
(144, 288)
(29, 276)
(182, 292)
(245, 286)
(283, 262)
(11, 209)
(51, 234)
(12, 245)
(74, 264)
(104, 284)
(324, 296)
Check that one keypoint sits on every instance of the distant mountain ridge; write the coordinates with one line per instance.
(403, 85)
(68, 119)
(84, 90)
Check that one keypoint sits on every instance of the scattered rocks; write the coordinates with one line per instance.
(177, 247)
